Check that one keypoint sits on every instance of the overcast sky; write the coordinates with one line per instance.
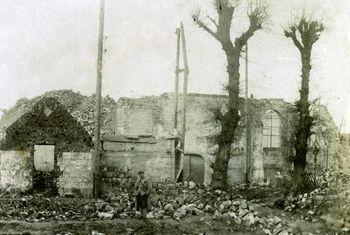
(46, 45)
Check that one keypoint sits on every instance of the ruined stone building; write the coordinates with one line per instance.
(139, 134)
(150, 120)
(46, 149)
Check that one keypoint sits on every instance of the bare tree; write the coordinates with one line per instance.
(232, 49)
(304, 33)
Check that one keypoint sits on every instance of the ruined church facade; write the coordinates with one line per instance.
(262, 156)
(139, 134)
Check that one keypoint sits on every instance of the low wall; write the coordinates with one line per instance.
(157, 166)
(76, 173)
(154, 157)
(15, 170)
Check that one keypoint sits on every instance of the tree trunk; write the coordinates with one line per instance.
(220, 166)
(303, 131)
(230, 120)
(298, 176)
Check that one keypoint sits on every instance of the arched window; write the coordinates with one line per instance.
(272, 130)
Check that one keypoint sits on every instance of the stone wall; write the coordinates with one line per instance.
(154, 116)
(76, 173)
(154, 157)
(15, 170)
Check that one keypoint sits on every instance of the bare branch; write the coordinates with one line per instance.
(309, 30)
(212, 20)
(201, 24)
(215, 109)
(257, 14)
(291, 33)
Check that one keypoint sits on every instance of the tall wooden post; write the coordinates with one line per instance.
(176, 101)
(184, 95)
(248, 121)
(97, 148)
(177, 72)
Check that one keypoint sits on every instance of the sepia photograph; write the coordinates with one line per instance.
(175, 117)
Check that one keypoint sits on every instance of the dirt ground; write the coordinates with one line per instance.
(130, 226)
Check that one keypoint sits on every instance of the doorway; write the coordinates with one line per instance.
(194, 167)
(44, 177)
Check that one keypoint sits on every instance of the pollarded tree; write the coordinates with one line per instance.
(232, 48)
(304, 33)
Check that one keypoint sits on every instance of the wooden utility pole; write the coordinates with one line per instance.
(97, 148)
(248, 121)
(177, 72)
(179, 153)
(184, 95)
(176, 102)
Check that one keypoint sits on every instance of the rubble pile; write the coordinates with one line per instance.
(169, 201)
(331, 187)
(178, 201)
(85, 114)
(306, 201)
(80, 107)
(37, 208)
(328, 205)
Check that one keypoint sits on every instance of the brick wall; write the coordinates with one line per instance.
(15, 170)
(76, 173)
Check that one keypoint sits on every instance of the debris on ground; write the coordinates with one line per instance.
(254, 208)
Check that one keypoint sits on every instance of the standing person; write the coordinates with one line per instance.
(142, 191)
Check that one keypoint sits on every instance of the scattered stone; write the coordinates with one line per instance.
(108, 208)
(311, 212)
(95, 233)
(105, 215)
(277, 229)
(225, 205)
(150, 215)
(124, 215)
(180, 213)
(242, 213)
(99, 205)
(231, 214)
(216, 215)
(191, 185)
(208, 209)
(237, 220)
(283, 232)
(249, 219)
(200, 206)
(219, 192)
